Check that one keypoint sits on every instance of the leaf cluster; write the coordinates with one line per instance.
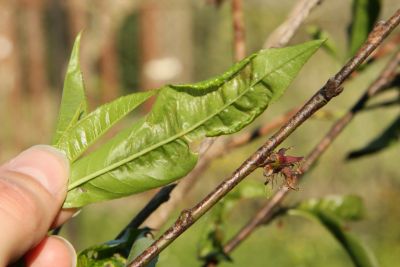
(159, 148)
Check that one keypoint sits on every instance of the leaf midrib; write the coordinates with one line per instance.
(71, 122)
(176, 136)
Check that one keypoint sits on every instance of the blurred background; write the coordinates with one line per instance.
(132, 45)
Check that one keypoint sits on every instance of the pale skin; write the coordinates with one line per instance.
(33, 186)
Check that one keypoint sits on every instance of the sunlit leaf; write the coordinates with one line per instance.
(156, 150)
(389, 137)
(73, 103)
(364, 15)
(86, 131)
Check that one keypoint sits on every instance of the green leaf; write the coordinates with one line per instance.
(156, 150)
(330, 212)
(389, 137)
(143, 241)
(86, 131)
(73, 102)
(364, 15)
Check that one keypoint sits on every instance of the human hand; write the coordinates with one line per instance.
(33, 187)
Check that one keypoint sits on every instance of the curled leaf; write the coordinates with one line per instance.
(156, 150)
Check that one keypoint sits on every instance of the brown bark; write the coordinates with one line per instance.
(10, 72)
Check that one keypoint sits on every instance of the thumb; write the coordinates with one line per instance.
(32, 190)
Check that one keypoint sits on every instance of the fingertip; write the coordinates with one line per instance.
(45, 164)
(52, 251)
(33, 186)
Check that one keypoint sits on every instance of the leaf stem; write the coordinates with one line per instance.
(331, 89)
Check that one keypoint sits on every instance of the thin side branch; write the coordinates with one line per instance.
(266, 212)
(239, 41)
(288, 28)
(331, 89)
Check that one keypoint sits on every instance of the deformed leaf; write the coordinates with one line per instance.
(75, 140)
(156, 150)
(364, 15)
(329, 214)
(390, 136)
(73, 103)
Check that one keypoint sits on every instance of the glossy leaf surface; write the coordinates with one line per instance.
(156, 150)
(73, 103)
(75, 140)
